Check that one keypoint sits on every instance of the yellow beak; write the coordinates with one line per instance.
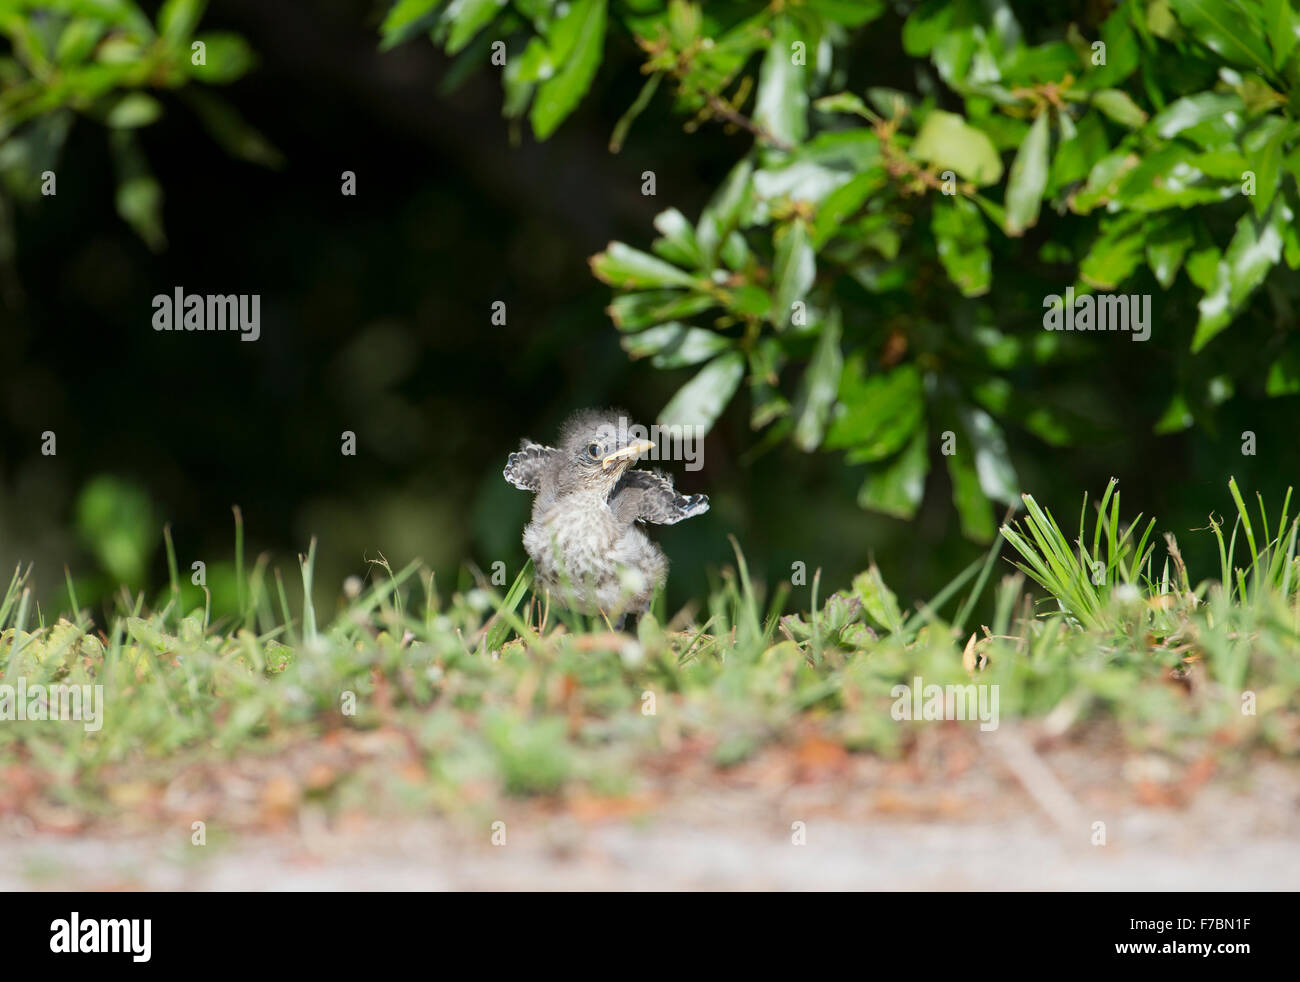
(629, 453)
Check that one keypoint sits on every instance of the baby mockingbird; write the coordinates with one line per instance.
(583, 539)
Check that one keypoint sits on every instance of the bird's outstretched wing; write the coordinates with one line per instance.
(524, 467)
(649, 496)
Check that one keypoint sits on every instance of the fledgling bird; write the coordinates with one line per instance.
(584, 538)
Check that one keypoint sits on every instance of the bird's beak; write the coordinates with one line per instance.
(625, 456)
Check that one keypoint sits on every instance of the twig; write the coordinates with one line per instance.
(1038, 780)
(720, 107)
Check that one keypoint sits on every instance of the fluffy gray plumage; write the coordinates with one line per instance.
(584, 539)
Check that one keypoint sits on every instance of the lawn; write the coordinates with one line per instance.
(413, 699)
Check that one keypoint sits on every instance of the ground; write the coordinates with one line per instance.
(961, 810)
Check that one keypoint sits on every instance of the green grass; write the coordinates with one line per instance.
(488, 699)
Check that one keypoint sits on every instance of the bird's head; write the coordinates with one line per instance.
(597, 448)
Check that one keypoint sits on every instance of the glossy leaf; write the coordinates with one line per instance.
(1256, 248)
(630, 269)
(1028, 178)
(960, 238)
(1227, 28)
(974, 509)
(701, 400)
(675, 345)
(897, 487)
(793, 273)
(1166, 247)
(781, 106)
(820, 384)
(949, 143)
(580, 35)
(1118, 105)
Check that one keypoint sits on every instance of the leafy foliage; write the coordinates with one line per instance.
(106, 61)
(426, 699)
(877, 263)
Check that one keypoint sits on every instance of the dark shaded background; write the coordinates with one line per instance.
(376, 318)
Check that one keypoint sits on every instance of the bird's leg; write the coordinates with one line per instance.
(612, 625)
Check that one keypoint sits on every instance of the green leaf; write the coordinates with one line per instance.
(972, 504)
(1283, 376)
(950, 143)
(1003, 29)
(1114, 254)
(878, 600)
(1104, 181)
(876, 412)
(735, 253)
(749, 300)
(1042, 63)
(815, 170)
(1189, 111)
(1202, 265)
(781, 105)
(675, 345)
(1028, 178)
(997, 478)
(467, 18)
(226, 57)
(701, 400)
(852, 13)
(1176, 417)
(1263, 145)
(794, 271)
(634, 311)
(559, 95)
(844, 202)
(133, 110)
(404, 21)
(722, 214)
(139, 195)
(1122, 52)
(1282, 28)
(767, 403)
(897, 488)
(500, 630)
(1291, 246)
(820, 384)
(1167, 247)
(1256, 247)
(177, 19)
(926, 25)
(685, 20)
(1078, 151)
(1172, 177)
(78, 40)
(679, 244)
(960, 238)
(843, 102)
(1229, 29)
(630, 269)
(891, 103)
(1116, 104)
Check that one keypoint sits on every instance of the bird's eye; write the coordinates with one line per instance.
(593, 450)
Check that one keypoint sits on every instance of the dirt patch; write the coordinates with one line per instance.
(960, 811)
